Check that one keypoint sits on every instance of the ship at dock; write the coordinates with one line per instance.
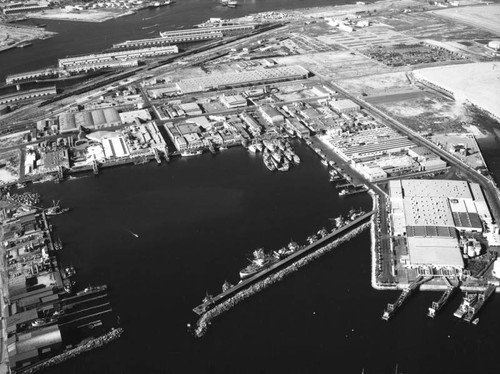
(260, 261)
(472, 304)
(55, 209)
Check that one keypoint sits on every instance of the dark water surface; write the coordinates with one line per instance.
(76, 38)
(197, 219)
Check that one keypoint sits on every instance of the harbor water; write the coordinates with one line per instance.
(75, 38)
(197, 219)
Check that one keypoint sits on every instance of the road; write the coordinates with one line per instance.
(489, 188)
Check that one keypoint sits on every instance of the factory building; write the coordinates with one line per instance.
(113, 144)
(245, 78)
(345, 106)
(13, 8)
(92, 120)
(271, 115)
(168, 40)
(448, 203)
(254, 127)
(233, 101)
(224, 30)
(300, 129)
(135, 115)
(28, 95)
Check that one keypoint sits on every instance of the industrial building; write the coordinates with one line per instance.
(120, 55)
(13, 8)
(113, 144)
(32, 75)
(345, 106)
(245, 78)
(168, 40)
(93, 120)
(28, 95)
(449, 203)
(135, 115)
(224, 30)
(300, 129)
(431, 212)
(108, 64)
(271, 115)
(233, 101)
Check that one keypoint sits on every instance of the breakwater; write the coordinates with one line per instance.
(205, 320)
(85, 347)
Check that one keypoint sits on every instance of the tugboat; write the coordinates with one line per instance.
(226, 286)
(69, 271)
(55, 209)
(467, 302)
(260, 262)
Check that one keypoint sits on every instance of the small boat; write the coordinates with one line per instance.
(91, 289)
(191, 152)
(232, 4)
(324, 162)
(24, 45)
(134, 234)
(476, 321)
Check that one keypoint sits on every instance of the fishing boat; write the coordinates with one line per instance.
(259, 262)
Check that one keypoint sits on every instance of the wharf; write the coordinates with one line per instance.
(438, 305)
(407, 292)
(213, 301)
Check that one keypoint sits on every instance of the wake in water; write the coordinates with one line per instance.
(148, 27)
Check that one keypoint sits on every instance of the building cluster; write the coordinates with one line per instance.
(215, 82)
(440, 220)
(23, 7)
(33, 283)
(373, 149)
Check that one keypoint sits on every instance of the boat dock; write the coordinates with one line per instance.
(211, 302)
(481, 299)
(438, 305)
(407, 292)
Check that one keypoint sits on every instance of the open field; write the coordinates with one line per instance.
(383, 84)
(336, 65)
(484, 17)
(11, 35)
(429, 113)
(478, 83)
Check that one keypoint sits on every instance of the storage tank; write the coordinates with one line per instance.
(470, 250)
(477, 248)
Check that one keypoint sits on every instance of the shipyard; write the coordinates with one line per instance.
(386, 101)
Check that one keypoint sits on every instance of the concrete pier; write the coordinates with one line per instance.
(213, 301)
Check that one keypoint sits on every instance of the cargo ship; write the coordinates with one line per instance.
(260, 261)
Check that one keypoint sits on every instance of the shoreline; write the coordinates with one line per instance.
(86, 17)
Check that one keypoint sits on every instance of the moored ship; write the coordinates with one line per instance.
(260, 261)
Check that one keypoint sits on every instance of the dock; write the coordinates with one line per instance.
(438, 305)
(481, 299)
(157, 155)
(95, 167)
(211, 302)
(407, 292)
